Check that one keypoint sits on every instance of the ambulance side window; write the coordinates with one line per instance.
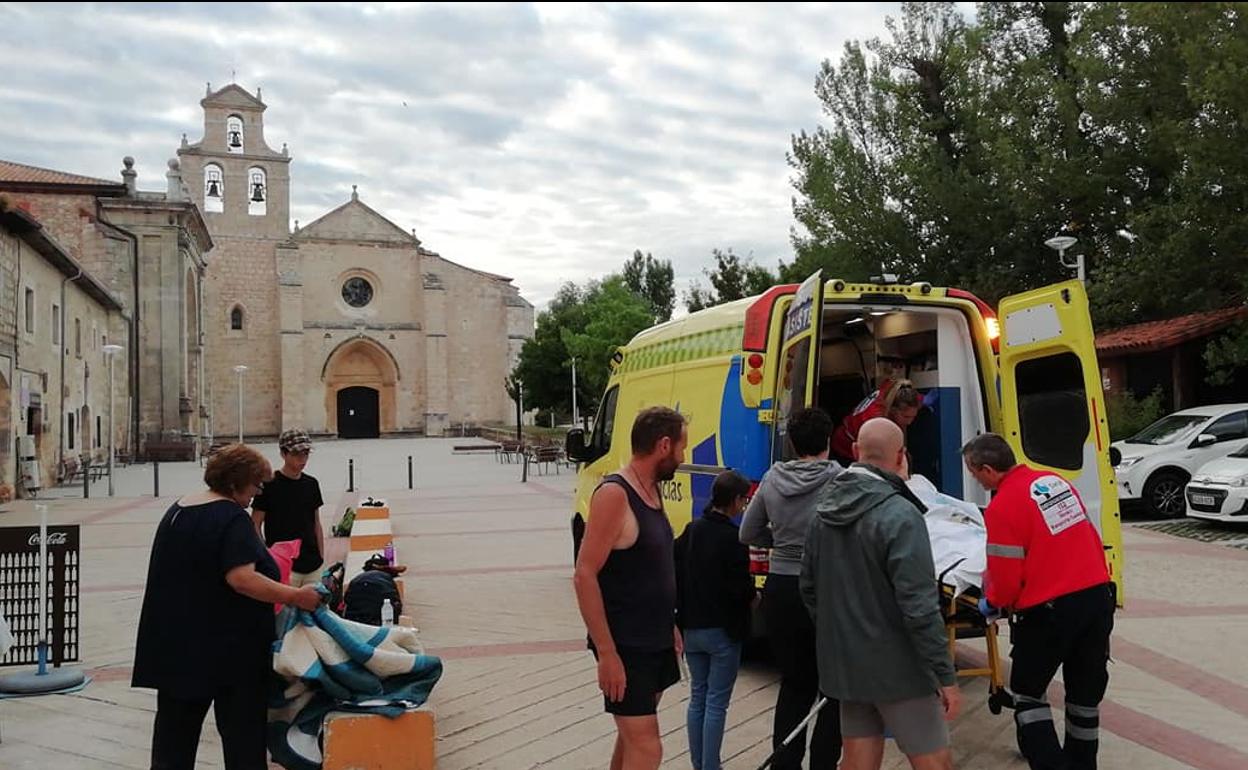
(604, 425)
(1053, 410)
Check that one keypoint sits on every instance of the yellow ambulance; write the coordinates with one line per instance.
(1027, 371)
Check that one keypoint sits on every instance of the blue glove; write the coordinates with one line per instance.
(987, 610)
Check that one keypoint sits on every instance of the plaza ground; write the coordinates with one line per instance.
(490, 589)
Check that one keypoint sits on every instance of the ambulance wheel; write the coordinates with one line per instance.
(1163, 494)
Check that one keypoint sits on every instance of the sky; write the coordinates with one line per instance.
(542, 142)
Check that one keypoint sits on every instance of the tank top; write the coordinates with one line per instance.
(638, 583)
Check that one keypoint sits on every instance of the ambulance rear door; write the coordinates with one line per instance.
(1052, 405)
(799, 360)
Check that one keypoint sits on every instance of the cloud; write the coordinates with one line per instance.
(541, 141)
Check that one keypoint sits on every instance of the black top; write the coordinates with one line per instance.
(289, 507)
(638, 583)
(195, 632)
(713, 576)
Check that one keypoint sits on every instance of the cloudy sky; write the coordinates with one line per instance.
(544, 142)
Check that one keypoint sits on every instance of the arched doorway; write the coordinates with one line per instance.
(360, 378)
(358, 415)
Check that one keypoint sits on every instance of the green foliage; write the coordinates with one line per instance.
(1226, 354)
(653, 280)
(589, 324)
(734, 277)
(953, 150)
(1128, 415)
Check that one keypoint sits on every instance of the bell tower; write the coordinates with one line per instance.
(240, 183)
(242, 186)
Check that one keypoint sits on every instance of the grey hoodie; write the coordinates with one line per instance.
(779, 515)
(869, 582)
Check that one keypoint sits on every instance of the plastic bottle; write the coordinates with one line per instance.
(387, 613)
(389, 553)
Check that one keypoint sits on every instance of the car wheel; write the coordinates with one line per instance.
(1163, 494)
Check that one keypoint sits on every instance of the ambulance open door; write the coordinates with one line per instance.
(799, 360)
(1052, 403)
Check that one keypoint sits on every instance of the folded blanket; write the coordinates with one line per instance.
(326, 663)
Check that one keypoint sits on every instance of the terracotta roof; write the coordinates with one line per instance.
(1159, 335)
(20, 173)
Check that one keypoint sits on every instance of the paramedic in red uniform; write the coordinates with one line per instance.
(1046, 567)
(898, 401)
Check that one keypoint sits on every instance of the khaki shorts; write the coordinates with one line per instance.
(301, 579)
(918, 725)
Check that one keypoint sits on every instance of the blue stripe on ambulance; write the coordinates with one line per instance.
(744, 441)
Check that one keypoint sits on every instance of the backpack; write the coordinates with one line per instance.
(365, 594)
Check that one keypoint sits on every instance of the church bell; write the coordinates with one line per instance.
(214, 190)
(236, 139)
(257, 192)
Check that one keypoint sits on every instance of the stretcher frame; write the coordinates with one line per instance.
(963, 620)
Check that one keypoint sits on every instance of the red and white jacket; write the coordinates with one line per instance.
(1041, 543)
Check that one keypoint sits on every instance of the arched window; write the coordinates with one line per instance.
(257, 191)
(234, 134)
(214, 188)
(236, 319)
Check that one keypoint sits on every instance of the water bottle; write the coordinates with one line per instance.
(387, 613)
(389, 553)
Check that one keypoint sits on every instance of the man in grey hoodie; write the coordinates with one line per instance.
(778, 518)
(869, 582)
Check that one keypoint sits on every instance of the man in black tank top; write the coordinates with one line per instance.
(626, 587)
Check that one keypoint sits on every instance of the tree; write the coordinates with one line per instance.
(653, 280)
(733, 278)
(612, 315)
(953, 150)
(587, 323)
(544, 356)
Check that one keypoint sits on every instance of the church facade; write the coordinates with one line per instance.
(347, 326)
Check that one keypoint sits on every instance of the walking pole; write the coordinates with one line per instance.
(823, 701)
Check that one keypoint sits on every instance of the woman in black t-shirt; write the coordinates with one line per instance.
(207, 626)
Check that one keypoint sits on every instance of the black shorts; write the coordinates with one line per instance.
(647, 674)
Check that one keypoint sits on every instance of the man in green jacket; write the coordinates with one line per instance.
(870, 585)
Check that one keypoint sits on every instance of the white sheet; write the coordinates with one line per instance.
(957, 532)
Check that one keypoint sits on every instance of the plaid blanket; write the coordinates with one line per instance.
(326, 663)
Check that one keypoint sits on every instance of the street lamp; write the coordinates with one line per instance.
(1060, 244)
(575, 417)
(239, 371)
(110, 352)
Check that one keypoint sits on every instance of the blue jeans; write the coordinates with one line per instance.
(713, 662)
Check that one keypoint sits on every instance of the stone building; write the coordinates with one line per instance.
(147, 249)
(346, 326)
(55, 319)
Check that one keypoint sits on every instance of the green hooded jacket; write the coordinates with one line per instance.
(870, 585)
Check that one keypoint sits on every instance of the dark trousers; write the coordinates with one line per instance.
(1072, 632)
(241, 720)
(791, 634)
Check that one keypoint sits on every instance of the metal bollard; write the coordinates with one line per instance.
(410, 479)
(155, 478)
(351, 475)
(524, 477)
(86, 480)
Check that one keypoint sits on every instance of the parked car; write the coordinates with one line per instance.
(1158, 461)
(1219, 489)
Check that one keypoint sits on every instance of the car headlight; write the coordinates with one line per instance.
(1127, 462)
(1226, 481)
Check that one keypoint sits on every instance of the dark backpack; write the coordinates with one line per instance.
(365, 594)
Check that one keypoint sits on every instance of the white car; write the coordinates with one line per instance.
(1219, 490)
(1158, 461)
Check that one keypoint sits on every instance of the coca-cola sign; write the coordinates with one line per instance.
(54, 538)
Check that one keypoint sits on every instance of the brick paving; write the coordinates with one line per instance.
(490, 589)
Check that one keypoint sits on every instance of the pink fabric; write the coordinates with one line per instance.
(284, 553)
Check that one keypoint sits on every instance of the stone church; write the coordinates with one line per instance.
(346, 326)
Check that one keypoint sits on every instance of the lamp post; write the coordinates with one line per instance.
(1059, 244)
(575, 416)
(110, 353)
(239, 370)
